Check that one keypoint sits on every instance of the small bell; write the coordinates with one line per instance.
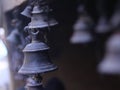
(40, 18)
(81, 30)
(27, 11)
(111, 61)
(103, 25)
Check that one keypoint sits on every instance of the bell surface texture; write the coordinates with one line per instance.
(36, 62)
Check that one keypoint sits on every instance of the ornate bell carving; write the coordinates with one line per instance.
(36, 59)
(111, 61)
(40, 18)
(27, 11)
(103, 25)
(81, 32)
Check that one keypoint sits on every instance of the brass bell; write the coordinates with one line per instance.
(111, 62)
(12, 38)
(36, 59)
(40, 19)
(103, 25)
(27, 11)
(81, 32)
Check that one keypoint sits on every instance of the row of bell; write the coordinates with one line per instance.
(82, 34)
(36, 58)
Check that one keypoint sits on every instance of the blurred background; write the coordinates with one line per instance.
(85, 45)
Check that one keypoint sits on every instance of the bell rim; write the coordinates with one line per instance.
(40, 71)
(40, 26)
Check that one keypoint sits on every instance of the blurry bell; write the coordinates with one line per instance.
(27, 11)
(103, 25)
(111, 61)
(40, 19)
(12, 38)
(81, 32)
(115, 20)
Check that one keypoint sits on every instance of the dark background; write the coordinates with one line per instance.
(77, 63)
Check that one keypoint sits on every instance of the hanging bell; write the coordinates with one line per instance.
(40, 18)
(36, 59)
(81, 32)
(13, 37)
(103, 25)
(34, 83)
(111, 61)
(115, 20)
(27, 11)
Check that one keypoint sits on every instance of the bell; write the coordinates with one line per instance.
(115, 20)
(103, 25)
(12, 38)
(111, 62)
(81, 32)
(36, 59)
(34, 83)
(40, 19)
(27, 11)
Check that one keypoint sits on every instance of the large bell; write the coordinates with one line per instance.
(40, 18)
(81, 32)
(27, 11)
(36, 59)
(103, 25)
(111, 61)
